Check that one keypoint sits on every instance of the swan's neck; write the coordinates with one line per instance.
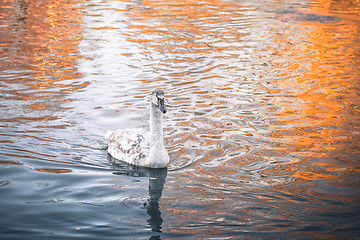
(158, 156)
(156, 126)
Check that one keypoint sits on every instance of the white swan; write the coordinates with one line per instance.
(137, 147)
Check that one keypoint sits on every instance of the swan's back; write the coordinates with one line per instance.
(129, 145)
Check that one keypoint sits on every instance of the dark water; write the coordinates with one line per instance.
(263, 126)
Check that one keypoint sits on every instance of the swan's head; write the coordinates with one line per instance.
(157, 99)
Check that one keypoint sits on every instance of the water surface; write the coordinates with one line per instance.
(263, 119)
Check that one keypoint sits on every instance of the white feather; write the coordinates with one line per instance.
(129, 145)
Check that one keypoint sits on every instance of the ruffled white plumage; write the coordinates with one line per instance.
(129, 145)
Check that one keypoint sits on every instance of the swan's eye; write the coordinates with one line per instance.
(160, 100)
(160, 97)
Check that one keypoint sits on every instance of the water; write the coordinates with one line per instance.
(262, 124)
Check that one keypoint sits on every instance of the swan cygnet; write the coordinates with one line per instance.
(138, 147)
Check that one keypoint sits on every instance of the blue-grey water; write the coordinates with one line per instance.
(263, 122)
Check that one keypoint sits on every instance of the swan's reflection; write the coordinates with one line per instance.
(156, 185)
(157, 177)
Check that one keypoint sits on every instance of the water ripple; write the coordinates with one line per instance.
(262, 127)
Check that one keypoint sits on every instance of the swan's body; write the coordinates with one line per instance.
(137, 147)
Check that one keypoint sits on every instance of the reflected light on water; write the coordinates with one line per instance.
(262, 128)
(318, 119)
(39, 57)
(53, 170)
(38, 71)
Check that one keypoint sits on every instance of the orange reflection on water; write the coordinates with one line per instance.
(39, 53)
(53, 170)
(40, 45)
(8, 162)
(325, 101)
(318, 88)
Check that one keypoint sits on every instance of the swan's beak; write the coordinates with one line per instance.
(162, 105)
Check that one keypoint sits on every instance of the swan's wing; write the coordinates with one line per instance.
(128, 145)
